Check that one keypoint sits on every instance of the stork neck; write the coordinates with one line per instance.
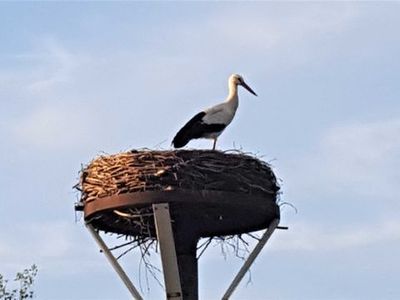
(233, 93)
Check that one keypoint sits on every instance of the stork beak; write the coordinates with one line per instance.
(244, 84)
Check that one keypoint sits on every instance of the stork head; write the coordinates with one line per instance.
(236, 79)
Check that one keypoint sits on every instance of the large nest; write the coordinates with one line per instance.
(138, 171)
(195, 170)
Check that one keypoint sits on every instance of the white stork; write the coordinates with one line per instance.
(210, 123)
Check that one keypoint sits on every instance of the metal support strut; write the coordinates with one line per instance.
(114, 263)
(169, 259)
(253, 255)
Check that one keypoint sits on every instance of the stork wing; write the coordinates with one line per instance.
(214, 115)
(184, 135)
(195, 128)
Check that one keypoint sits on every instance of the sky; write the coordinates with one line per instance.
(80, 79)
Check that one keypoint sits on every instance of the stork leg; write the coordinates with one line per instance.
(215, 143)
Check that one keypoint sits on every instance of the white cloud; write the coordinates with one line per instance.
(50, 113)
(50, 245)
(319, 237)
(58, 64)
(350, 161)
(263, 29)
(365, 152)
(54, 126)
(362, 158)
(41, 69)
(273, 37)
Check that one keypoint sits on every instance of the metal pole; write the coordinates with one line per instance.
(253, 255)
(114, 263)
(165, 236)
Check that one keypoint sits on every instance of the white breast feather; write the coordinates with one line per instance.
(219, 114)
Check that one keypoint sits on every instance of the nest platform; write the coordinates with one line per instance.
(210, 193)
(176, 198)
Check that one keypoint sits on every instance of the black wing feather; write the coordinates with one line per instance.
(195, 129)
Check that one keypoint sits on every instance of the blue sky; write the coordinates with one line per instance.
(77, 79)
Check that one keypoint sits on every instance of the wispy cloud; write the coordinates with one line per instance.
(52, 245)
(47, 113)
(54, 127)
(364, 152)
(355, 159)
(262, 30)
(238, 35)
(319, 237)
(58, 66)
